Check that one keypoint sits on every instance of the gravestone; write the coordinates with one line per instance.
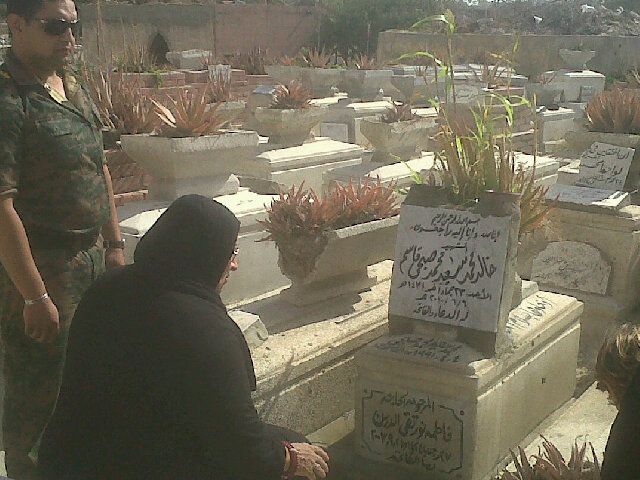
(572, 266)
(451, 389)
(455, 267)
(604, 166)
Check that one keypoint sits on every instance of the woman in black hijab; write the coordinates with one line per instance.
(158, 377)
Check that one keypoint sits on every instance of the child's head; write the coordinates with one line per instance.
(618, 360)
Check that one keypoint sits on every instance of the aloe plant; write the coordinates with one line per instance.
(614, 111)
(549, 464)
(298, 219)
(398, 113)
(189, 115)
(294, 95)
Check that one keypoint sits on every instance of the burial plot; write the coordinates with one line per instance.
(451, 390)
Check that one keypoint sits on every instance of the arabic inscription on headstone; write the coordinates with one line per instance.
(449, 267)
(412, 429)
(604, 166)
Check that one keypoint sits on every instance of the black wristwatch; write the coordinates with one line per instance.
(110, 244)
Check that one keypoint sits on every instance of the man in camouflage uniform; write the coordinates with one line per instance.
(55, 202)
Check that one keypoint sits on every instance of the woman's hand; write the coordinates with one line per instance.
(312, 461)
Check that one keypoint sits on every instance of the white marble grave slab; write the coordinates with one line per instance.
(572, 265)
(604, 166)
(588, 197)
(411, 428)
(449, 267)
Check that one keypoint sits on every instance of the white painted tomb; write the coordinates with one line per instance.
(349, 112)
(402, 172)
(554, 124)
(577, 86)
(277, 169)
(258, 273)
(463, 377)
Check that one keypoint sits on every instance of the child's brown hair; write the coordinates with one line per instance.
(618, 360)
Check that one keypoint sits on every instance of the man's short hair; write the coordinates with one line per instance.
(25, 8)
(618, 360)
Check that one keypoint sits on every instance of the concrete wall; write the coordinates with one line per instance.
(281, 29)
(536, 54)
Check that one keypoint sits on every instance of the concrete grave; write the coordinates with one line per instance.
(573, 84)
(435, 408)
(604, 166)
(572, 266)
(190, 59)
(349, 112)
(588, 199)
(556, 123)
(470, 368)
(258, 273)
(276, 169)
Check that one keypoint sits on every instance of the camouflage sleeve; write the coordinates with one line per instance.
(11, 122)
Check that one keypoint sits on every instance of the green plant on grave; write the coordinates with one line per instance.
(473, 157)
(614, 111)
(549, 464)
(294, 95)
(298, 220)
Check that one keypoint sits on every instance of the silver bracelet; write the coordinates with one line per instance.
(40, 299)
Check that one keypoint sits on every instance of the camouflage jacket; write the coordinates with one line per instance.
(51, 156)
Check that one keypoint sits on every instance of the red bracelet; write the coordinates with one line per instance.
(293, 461)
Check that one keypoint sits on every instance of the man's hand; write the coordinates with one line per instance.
(313, 461)
(41, 321)
(113, 257)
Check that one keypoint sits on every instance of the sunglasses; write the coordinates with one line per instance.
(59, 26)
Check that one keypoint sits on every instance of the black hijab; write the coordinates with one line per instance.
(192, 241)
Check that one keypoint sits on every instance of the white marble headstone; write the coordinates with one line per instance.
(604, 166)
(572, 265)
(449, 267)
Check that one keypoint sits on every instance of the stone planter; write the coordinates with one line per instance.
(406, 85)
(189, 59)
(576, 59)
(365, 84)
(180, 166)
(341, 263)
(232, 110)
(545, 95)
(399, 141)
(284, 73)
(321, 81)
(287, 128)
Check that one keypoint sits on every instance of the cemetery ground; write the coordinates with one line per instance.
(428, 268)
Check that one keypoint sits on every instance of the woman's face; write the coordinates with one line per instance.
(232, 266)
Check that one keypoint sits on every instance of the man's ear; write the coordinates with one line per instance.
(16, 23)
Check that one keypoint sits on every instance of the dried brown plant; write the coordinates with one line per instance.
(364, 62)
(317, 58)
(122, 105)
(189, 115)
(614, 111)
(252, 62)
(219, 87)
(298, 219)
(399, 113)
(294, 95)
